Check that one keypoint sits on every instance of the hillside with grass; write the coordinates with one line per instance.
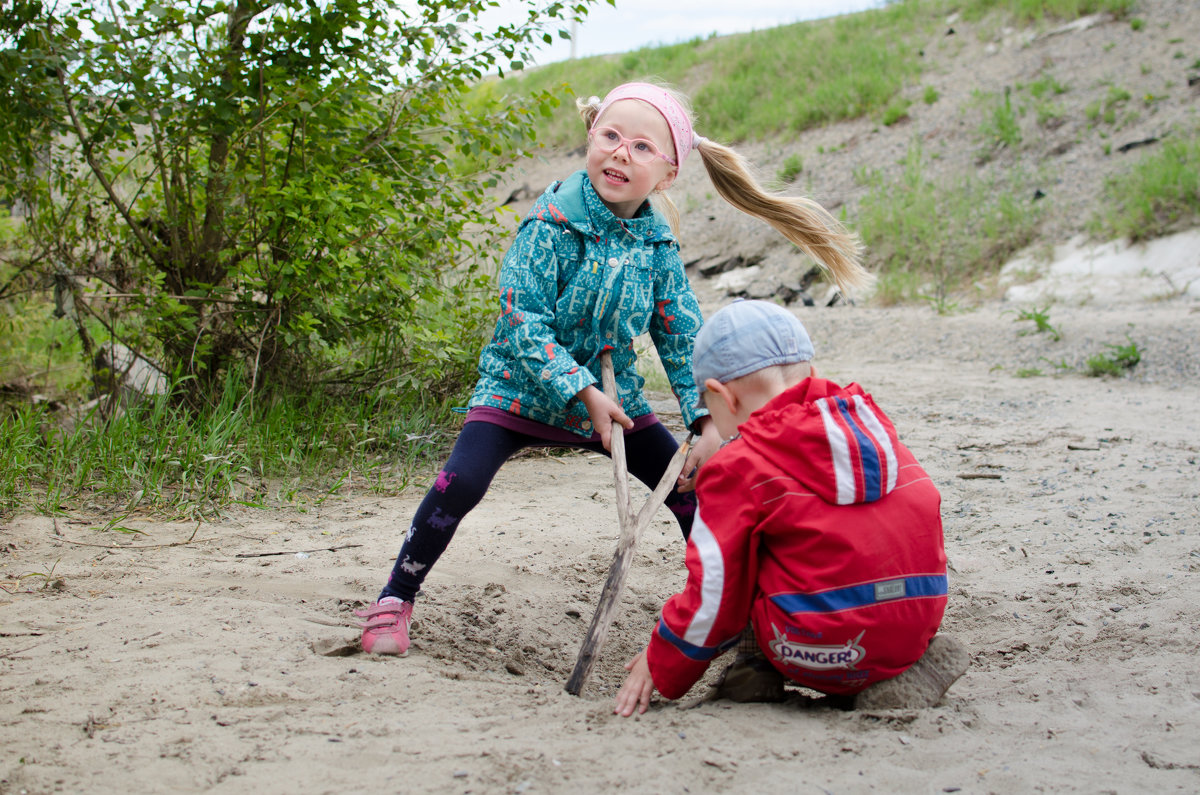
(951, 136)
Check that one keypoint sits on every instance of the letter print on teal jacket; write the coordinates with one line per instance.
(576, 282)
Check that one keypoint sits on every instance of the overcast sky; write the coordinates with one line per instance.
(640, 23)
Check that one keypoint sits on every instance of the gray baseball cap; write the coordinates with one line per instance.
(745, 337)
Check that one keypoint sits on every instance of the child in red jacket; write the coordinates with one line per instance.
(817, 532)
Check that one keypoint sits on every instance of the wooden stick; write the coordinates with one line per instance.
(294, 551)
(659, 495)
(608, 380)
(610, 594)
(139, 546)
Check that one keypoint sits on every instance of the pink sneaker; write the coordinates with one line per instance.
(386, 627)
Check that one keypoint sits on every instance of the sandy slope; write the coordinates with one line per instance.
(149, 667)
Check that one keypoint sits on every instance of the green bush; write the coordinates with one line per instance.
(298, 190)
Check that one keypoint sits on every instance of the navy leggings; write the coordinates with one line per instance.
(481, 449)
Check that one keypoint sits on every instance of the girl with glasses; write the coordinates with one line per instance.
(594, 265)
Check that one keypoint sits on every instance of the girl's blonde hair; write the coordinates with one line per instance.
(801, 220)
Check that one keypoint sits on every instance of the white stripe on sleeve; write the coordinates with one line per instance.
(712, 567)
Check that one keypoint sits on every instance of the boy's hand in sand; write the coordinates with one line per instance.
(703, 449)
(638, 687)
(604, 412)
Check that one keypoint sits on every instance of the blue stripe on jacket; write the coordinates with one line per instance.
(922, 586)
(690, 650)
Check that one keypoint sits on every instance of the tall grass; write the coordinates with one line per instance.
(927, 239)
(160, 458)
(1000, 127)
(790, 79)
(1157, 194)
(781, 80)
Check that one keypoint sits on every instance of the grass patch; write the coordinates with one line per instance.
(754, 92)
(793, 164)
(650, 367)
(1046, 86)
(1001, 125)
(1116, 361)
(1048, 114)
(1040, 317)
(1157, 195)
(1037, 10)
(40, 351)
(934, 239)
(896, 112)
(159, 458)
(1105, 110)
(1043, 90)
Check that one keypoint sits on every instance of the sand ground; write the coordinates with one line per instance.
(185, 658)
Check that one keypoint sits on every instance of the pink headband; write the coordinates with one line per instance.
(660, 99)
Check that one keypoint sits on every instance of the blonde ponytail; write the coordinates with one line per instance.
(800, 220)
(589, 109)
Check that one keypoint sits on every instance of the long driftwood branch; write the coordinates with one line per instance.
(610, 594)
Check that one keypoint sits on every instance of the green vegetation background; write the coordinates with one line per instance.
(299, 448)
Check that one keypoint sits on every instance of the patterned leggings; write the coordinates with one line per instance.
(481, 449)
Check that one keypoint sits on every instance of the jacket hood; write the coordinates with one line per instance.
(574, 203)
(834, 440)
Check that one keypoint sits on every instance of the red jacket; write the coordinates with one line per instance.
(820, 527)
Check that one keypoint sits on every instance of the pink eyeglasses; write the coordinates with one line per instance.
(641, 150)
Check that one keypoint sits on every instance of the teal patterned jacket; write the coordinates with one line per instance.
(576, 282)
